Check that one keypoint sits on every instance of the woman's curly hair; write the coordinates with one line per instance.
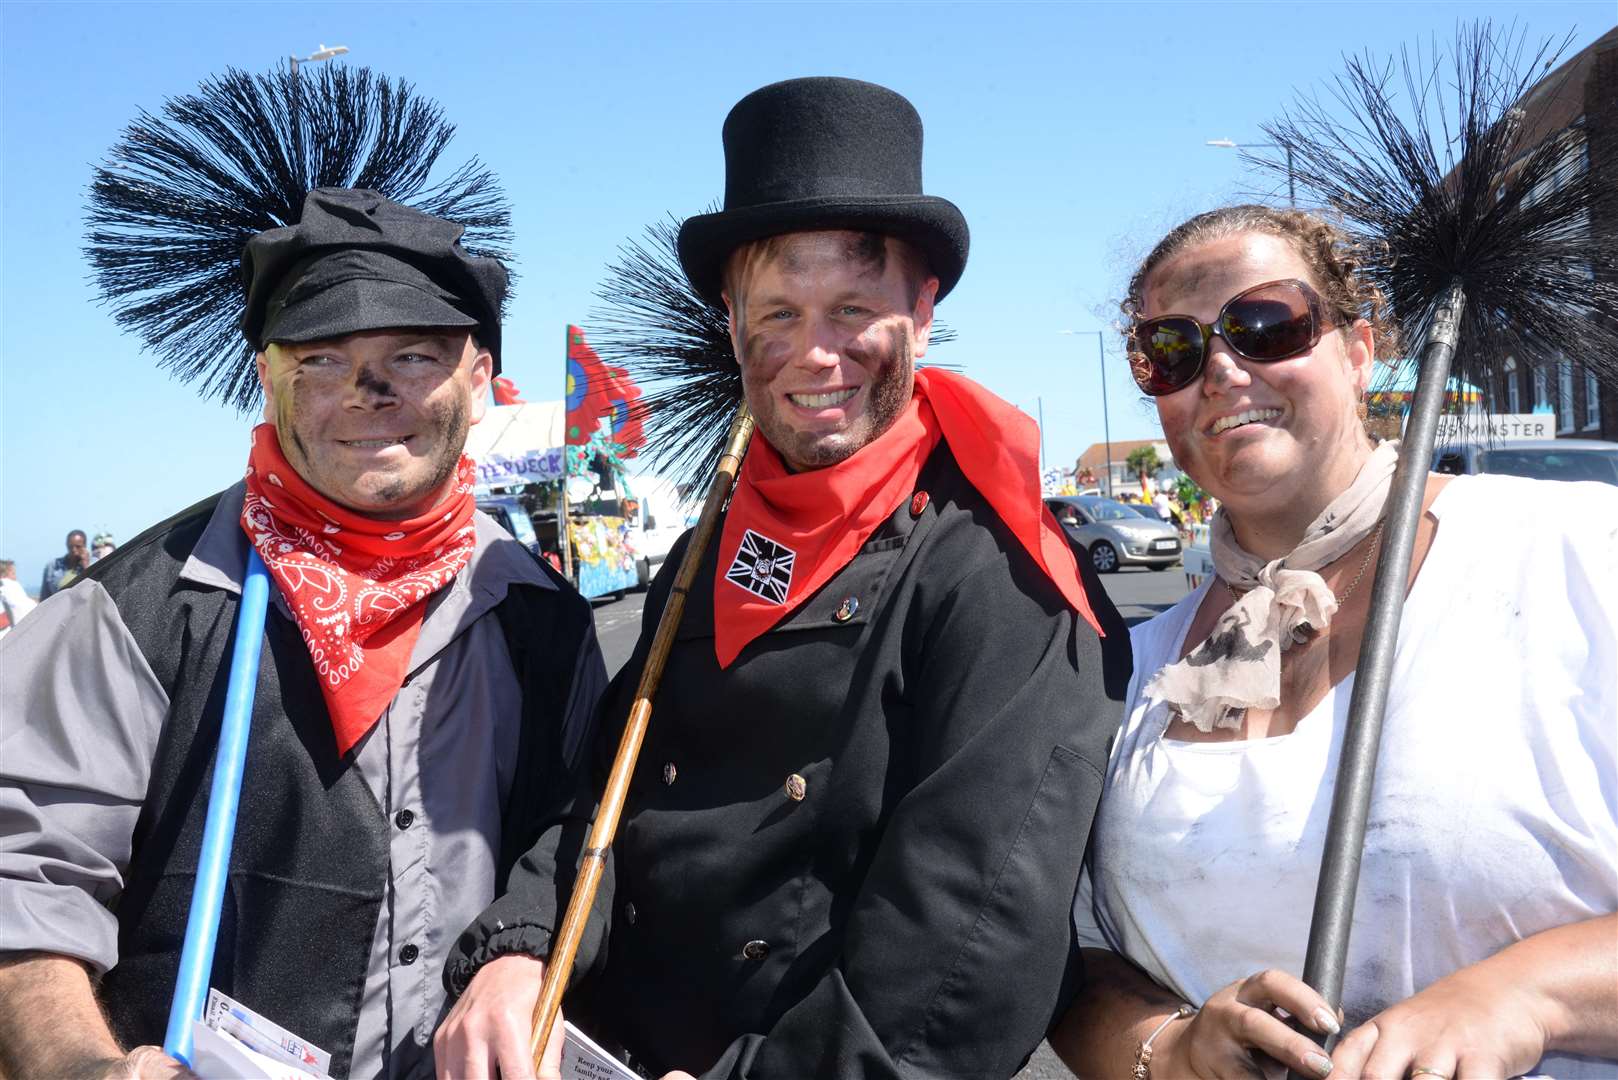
(1333, 257)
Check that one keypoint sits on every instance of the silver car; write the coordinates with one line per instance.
(1113, 536)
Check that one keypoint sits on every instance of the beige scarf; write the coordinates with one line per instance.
(1239, 666)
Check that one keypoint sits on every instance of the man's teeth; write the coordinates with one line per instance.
(1225, 423)
(821, 401)
(374, 444)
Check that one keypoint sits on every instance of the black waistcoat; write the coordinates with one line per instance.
(309, 866)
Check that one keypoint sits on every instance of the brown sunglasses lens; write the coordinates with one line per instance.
(1168, 353)
(1269, 323)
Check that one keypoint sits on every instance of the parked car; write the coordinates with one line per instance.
(509, 512)
(1113, 536)
(1538, 459)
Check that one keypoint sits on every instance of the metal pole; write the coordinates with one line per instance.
(1292, 187)
(297, 127)
(1106, 422)
(1039, 403)
(1356, 770)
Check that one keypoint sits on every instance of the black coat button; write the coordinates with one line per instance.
(404, 819)
(755, 950)
(408, 954)
(630, 913)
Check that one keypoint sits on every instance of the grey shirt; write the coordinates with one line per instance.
(80, 716)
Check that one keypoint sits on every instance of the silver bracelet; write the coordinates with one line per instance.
(1143, 1056)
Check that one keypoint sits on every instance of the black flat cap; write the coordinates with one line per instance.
(822, 153)
(358, 261)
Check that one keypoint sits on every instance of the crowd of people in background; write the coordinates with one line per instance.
(81, 553)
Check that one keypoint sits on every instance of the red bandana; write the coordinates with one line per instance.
(357, 586)
(787, 534)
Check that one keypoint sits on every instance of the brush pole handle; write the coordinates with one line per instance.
(1356, 769)
(565, 947)
(219, 830)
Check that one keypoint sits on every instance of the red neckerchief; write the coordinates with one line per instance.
(357, 586)
(786, 534)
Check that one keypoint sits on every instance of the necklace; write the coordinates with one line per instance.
(1376, 535)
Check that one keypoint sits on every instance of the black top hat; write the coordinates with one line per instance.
(358, 261)
(822, 153)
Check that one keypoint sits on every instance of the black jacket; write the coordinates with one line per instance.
(909, 915)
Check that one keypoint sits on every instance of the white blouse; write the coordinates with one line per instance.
(1495, 809)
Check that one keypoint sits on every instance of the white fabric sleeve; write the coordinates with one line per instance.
(1086, 928)
(80, 716)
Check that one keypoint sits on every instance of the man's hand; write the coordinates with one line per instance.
(146, 1063)
(51, 1025)
(491, 1025)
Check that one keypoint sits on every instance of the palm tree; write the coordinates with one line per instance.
(1143, 461)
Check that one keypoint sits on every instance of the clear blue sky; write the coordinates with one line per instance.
(1071, 135)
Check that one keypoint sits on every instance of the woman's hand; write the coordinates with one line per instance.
(1468, 1026)
(1221, 1040)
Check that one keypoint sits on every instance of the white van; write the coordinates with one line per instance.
(661, 517)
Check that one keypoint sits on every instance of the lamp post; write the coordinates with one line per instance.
(1106, 421)
(325, 52)
(1230, 144)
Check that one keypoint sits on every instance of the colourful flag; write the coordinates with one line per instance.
(586, 389)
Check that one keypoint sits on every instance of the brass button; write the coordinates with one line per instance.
(918, 503)
(630, 914)
(845, 611)
(669, 773)
(755, 950)
(796, 787)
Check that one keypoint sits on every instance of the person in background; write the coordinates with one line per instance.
(61, 570)
(14, 600)
(102, 546)
(1485, 939)
(1162, 504)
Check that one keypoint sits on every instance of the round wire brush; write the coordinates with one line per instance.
(1475, 218)
(182, 191)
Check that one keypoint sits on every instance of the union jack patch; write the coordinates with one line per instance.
(763, 567)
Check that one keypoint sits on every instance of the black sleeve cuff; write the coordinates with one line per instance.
(469, 956)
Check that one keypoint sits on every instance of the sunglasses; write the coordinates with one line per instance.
(1273, 321)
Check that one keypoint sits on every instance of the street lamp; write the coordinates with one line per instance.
(325, 52)
(1106, 420)
(1231, 144)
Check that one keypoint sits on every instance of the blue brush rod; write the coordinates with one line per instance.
(213, 865)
